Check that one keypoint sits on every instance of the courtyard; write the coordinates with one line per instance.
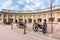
(6, 33)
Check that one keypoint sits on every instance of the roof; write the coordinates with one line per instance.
(30, 11)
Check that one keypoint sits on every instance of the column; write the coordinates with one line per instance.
(56, 18)
(36, 18)
(32, 19)
(7, 19)
(2, 17)
(27, 18)
(18, 19)
(47, 18)
(23, 19)
(13, 18)
(42, 18)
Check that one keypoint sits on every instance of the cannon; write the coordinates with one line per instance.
(21, 25)
(7, 23)
(37, 26)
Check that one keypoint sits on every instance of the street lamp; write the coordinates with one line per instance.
(51, 16)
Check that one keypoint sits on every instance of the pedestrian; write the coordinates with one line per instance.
(44, 28)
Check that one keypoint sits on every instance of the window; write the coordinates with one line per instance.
(15, 16)
(58, 19)
(20, 15)
(34, 20)
(25, 21)
(0, 14)
(39, 19)
(39, 15)
(20, 20)
(10, 20)
(10, 15)
(29, 20)
(29, 15)
(5, 15)
(0, 19)
(51, 19)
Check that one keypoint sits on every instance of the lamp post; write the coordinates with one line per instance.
(51, 16)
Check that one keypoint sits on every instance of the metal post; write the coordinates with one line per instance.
(51, 17)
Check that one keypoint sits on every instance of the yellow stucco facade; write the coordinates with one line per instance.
(30, 17)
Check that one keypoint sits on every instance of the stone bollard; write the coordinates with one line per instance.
(24, 30)
(11, 26)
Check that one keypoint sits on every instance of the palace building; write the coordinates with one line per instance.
(30, 16)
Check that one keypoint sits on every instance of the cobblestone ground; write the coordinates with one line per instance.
(55, 34)
(6, 33)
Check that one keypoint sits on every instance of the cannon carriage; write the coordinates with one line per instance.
(21, 25)
(37, 26)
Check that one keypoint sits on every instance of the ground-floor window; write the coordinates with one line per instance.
(25, 21)
(29, 20)
(51, 19)
(15, 21)
(34, 20)
(58, 19)
(10, 20)
(20, 20)
(0, 18)
(4, 20)
(39, 19)
(0, 15)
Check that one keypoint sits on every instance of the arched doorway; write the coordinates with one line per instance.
(29, 20)
(15, 21)
(10, 20)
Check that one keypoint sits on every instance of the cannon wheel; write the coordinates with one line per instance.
(35, 28)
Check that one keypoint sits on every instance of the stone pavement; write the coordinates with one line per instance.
(9, 34)
(6, 33)
(55, 34)
(34, 34)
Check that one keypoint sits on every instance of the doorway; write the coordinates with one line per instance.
(34, 20)
(25, 21)
(20, 20)
(10, 20)
(29, 20)
(4, 20)
(15, 21)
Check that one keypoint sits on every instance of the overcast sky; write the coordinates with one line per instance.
(26, 4)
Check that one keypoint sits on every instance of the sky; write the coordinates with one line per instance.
(27, 4)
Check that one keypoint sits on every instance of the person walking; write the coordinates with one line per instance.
(44, 28)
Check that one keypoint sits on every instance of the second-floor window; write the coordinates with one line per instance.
(29, 15)
(20, 15)
(10, 15)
